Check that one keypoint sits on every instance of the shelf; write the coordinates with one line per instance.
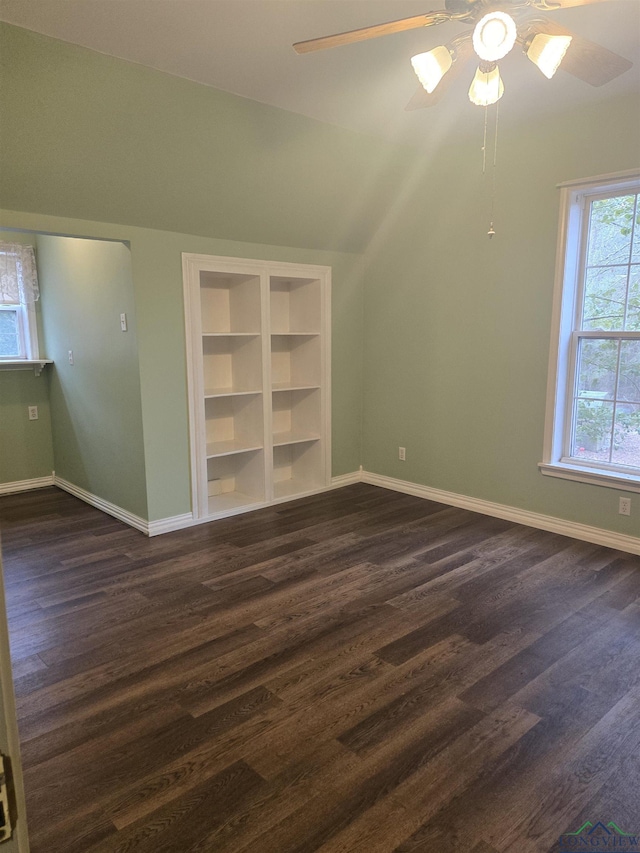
(230, 303)
(235, 481)
(230, 501)
(259, 374)
(294, 334)
(280, 439)
(295, 304)
(297, 468)
(233, 423)
(286, 386)
(24, 364)
(232, 361)
(216, 449)
(294, 486)
(210, 393)
(295, 360)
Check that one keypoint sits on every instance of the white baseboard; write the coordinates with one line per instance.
(573, 529)
(346, 479)
(106, 506)
(25, 485)
(179, 522)
(170, 524)
(176, 522)
(584, 532)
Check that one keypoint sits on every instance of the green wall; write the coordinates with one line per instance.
(156, 262)
(95, 140)
(26, 449)
(96, 413)
(27, 452)
(94, 137)
(457, 325)
(440, 336)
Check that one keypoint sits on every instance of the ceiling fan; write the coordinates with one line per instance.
(497, 26)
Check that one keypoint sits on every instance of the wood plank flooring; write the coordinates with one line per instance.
(357, 672)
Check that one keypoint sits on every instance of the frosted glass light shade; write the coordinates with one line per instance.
(494, 36)
(486, 88)
(431, 67)
(547, 52)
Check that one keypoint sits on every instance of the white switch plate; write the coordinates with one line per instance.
(402, 454)
(123, 322)
(33, 413)
(70, 356)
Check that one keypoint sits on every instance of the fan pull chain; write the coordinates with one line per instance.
(484, 142)
(491, 230)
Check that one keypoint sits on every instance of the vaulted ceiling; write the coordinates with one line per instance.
(244, 47)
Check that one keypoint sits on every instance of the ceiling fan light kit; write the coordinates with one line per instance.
(495, 32)
(547, 52)
(430, 67)
(494, 36)
(486, 87)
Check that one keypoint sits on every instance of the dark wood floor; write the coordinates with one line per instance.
(358, 671)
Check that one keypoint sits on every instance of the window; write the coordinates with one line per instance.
(593, 420)
(18, 293)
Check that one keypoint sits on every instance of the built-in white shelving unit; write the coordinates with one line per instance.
(258, 349)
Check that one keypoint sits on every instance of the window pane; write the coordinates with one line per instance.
(610, 230)
(604, 297)
(9, 338)
(593, 430)
(633, 305)
(629, 384)
(635, 253)
(626, 437)
(597, 366)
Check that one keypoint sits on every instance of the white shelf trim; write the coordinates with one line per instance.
(281, 439)
(210, 393)
(286, 386)
(215, 449)
(24, 364)
(294, 334)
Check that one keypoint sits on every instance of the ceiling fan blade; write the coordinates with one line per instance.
(584, 59)
(552, 5)
(463, 48)
(427, 20)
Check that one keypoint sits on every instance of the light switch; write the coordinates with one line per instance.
(123, 322)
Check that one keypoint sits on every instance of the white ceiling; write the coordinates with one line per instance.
(244, 47)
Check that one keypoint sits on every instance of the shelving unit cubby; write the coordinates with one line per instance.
(258, 359)
(235, 481)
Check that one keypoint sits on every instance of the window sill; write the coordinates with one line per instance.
(581, 474)
(24, 364)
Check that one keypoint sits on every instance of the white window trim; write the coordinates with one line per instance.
(27, 330)
(562, 350)
(31, 328)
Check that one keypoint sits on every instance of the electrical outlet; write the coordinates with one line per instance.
(402, 454)
(33, 413)
(624, 506)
